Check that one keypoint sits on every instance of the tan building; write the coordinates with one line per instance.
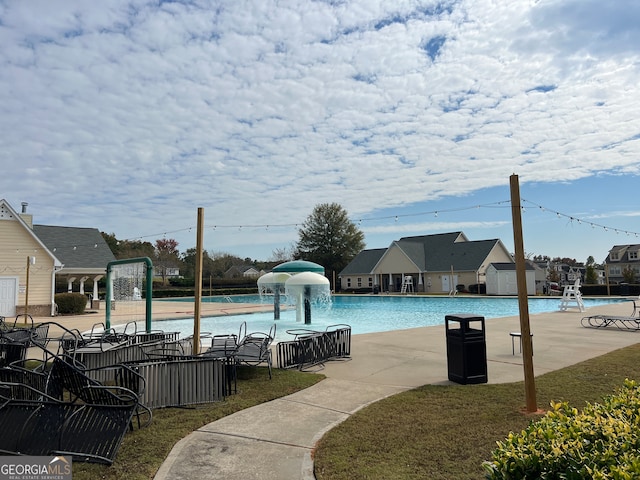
(441, 263)
(33, 256)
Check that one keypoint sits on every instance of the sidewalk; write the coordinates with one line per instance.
(275, 440)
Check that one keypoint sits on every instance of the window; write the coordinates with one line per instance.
(348, 282)
(633, 255)
(359, 282)
(370, 281)
(615, 271)
(614, 256)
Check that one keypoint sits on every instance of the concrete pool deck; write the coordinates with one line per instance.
(275, 440)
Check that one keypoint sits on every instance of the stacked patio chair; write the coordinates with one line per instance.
(15, 340)
(254, 349)
(311, 349)
(73, 415)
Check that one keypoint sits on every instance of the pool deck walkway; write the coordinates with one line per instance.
(275, 440)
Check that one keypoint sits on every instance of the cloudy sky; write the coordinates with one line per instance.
(128, 115)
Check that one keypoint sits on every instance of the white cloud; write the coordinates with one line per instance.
(128, 115)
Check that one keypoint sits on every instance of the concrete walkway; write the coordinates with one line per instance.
(275, 440)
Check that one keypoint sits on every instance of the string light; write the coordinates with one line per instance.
(361, 221)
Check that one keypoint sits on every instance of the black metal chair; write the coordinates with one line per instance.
(255, 349)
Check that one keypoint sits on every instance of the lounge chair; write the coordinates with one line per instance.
(631, 323)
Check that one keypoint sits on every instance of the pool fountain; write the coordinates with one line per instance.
(273, 282)
(305, 284)
(306, 287)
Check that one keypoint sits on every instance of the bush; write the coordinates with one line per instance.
(601, 442)
(71, 303)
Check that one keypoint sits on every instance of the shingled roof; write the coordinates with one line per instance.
(438, 253)
(430, 253)
(76, 248)
(364, 262)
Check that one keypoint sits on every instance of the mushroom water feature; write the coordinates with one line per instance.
(305, 287)
(307, 283)
(273, 282)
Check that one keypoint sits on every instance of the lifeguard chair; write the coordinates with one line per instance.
(571, 296)
(407, 285)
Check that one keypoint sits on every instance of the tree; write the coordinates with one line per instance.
(284, 254)
(329, 238)
(166, 256)
(222, 261)
(128, 248)
(189, 264)
(591, 275)
(629, 274)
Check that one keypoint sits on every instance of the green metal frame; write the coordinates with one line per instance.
(149, 289)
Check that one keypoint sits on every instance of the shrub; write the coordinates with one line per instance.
(71, 303)
(601, 442)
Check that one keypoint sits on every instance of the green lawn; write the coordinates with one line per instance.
(446, 432)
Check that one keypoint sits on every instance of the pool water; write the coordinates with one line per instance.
(366, 313)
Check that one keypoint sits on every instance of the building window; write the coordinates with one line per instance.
(615, 271)
(370, 281)
(633, 255)
(359, 282)
(613, 256)
(349, 282)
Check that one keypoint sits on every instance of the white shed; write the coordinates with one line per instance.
(501, 279)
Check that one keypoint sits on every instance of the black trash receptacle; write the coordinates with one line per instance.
(466, 348)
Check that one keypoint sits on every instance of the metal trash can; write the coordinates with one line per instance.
(466, 348)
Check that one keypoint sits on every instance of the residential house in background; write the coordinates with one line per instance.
(440, 263)
(169, 272)
(243, 271)
(620, 258)
(44, 253)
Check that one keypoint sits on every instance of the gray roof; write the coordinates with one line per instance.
(510, 266)
(625, 256)
(364, 262)
(76, 247)
(439, 253)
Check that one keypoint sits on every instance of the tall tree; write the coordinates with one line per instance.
(189, 264)
(166, 256)
(591, 275)
(329, 238)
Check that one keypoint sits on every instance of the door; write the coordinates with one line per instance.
(8, 296)
(449, 283)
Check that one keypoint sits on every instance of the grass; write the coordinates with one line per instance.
(446, 431)
(143, 451)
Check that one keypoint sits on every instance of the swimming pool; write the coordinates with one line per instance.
(366, 313)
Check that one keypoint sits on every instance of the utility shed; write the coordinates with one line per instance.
(501, 279)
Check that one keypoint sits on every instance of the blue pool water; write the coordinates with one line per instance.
(366, 313)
